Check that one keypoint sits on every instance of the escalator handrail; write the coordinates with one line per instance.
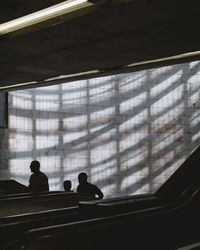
(43, 196)
(52, 231)
(15, 219)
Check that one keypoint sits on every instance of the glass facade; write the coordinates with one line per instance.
(129, 132)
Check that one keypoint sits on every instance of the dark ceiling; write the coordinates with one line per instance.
(112, 35)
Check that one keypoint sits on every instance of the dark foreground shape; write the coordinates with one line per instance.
(30, 203)
(11, 187)
(165, 220)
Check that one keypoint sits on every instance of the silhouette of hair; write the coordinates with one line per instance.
(35, 165)
(67, 185)
(82, 177)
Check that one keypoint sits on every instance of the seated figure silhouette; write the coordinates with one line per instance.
(67, 186)
(85, 187)
(38, 181)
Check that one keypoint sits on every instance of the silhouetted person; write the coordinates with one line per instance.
(67, 186)
(87, 188)
(38, 181)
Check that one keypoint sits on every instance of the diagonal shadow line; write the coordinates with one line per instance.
(154, 117)
(172, 161)
(127, 115)
(139, 109)
(145, 179)
(125, 152)
(112, 100)
(158, 172)
(169, 163)
(140, 162)
(112, 157)
(79, 149)
(43, 90)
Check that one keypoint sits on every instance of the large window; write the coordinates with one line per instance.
(129, 132)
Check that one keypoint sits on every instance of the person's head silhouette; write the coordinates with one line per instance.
(35, 166)
(82, 178)
(67, 185)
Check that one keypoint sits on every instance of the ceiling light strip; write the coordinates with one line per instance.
(43, 15)
(51, 79)
(185, 55)
(72, 75)
(181, 56)
(18, 85)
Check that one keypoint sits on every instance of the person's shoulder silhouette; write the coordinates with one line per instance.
(85, 187)
(38, 181)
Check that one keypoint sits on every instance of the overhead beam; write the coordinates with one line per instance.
(150, 64)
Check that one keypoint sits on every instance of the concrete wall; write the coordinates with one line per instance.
(128, 132)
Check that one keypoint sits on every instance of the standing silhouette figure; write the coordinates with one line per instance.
(38, 181)
(85, 187)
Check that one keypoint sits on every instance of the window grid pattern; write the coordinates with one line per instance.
(129, 132)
